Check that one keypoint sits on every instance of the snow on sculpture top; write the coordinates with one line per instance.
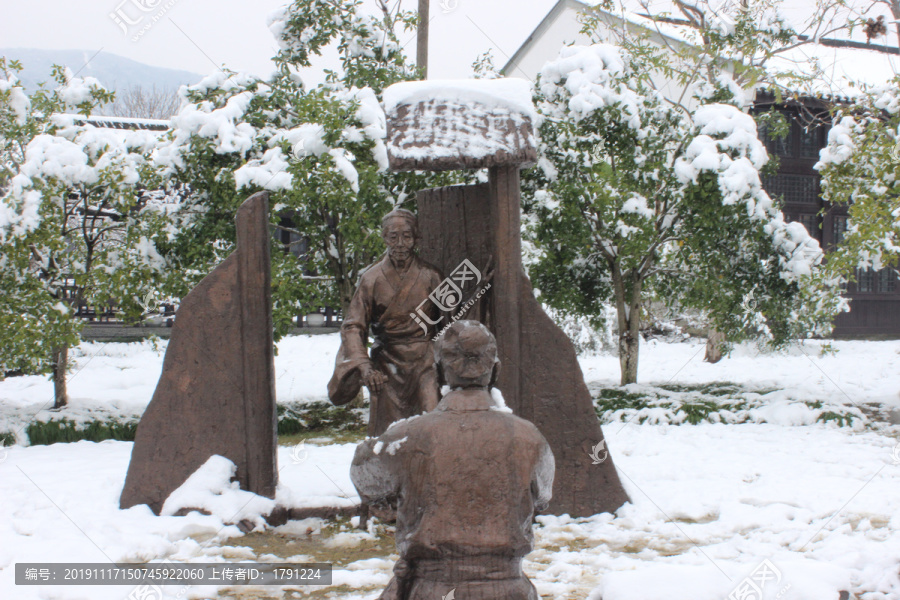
(460, 124)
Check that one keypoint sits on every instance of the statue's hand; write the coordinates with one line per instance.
(373, 379)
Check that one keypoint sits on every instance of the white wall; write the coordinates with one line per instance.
(561, 28)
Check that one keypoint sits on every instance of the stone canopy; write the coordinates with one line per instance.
(440, 125)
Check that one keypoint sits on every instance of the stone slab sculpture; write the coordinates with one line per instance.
(216, 393)
(466, 478)
(487, 124)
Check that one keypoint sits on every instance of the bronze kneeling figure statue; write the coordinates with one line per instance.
(467, 479)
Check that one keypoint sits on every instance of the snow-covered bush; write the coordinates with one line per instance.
(319, 151)
(75, 226)
(636, 198)
(860, 168)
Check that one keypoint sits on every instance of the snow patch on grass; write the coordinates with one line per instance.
(717, 403)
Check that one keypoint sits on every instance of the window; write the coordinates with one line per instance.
(804, 137)
(811, 222)
(780, 146)
(870, 281)
(838, 227)
(799, 189)
(810, 141)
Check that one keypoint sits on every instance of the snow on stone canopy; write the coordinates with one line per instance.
(460, 124)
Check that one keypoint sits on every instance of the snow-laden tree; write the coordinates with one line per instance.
(75, 226)
(860, 168)
(21, 118)
(637, 197)
(320, 152)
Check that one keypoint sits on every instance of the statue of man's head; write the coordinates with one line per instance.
(400, 231)
(467, 355)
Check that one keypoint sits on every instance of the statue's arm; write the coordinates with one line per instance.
(375, 471)
(355, 328)
(542, 478)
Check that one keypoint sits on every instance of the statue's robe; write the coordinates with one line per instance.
(402, 349)
(467, 481)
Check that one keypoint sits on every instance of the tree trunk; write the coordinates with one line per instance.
(629, 345)
(714, 341)
(629, 313)
(60, 365)
(345, 291)
(895, 12)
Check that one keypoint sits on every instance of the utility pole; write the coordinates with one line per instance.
(422, 39)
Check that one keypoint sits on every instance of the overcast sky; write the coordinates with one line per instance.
(201, 35)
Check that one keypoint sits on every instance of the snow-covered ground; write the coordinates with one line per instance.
(108, 379)
(710, 502)
(120, 378)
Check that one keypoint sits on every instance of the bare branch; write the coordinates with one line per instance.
(141, 103)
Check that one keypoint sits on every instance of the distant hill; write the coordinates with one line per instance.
(114, 72)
